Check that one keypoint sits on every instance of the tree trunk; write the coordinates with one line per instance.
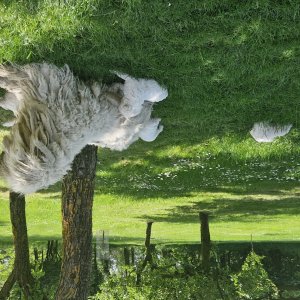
(205, 241)
(21, 272)
(8, 285)
(77, 202)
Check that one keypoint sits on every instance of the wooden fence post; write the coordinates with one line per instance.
(205, 241)
(148, 256)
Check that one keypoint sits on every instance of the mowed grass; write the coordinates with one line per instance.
(250, 199)
(227, 64)
(234, 217)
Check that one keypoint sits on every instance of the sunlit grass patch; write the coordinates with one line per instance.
(36, 29)
(235, 214)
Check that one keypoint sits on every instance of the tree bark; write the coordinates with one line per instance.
(205, 241)
(77, 202)
(21, 272)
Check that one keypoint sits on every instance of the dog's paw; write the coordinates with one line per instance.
(151, 130)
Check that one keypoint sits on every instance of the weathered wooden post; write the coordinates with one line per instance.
(205, 240)
(148, 234)
(148, 257)
(126, 256)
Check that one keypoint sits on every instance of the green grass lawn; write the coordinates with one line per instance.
(258, 199)
(227, 64)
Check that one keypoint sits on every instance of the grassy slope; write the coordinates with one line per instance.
(226, 64)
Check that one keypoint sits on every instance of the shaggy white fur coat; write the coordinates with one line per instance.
(56, 115)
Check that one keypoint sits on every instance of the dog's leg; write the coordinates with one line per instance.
(151, 130)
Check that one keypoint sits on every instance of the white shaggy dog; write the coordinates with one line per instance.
(264, 132)
(56, 115)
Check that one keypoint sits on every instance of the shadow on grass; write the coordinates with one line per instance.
(143, 175)
(117, 242)
(40, 240)
(158, 178)
(3, 224)
(230, 210)
(33, 240)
